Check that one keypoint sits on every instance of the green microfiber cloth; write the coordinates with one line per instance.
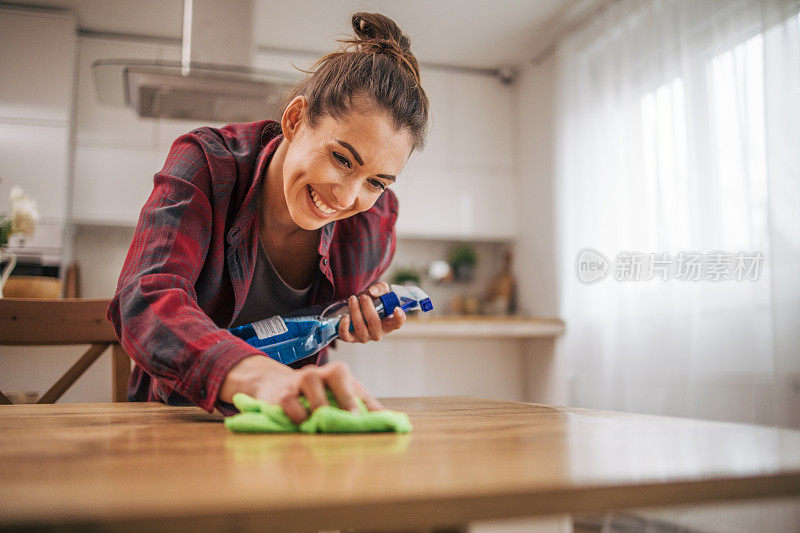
(258, 416)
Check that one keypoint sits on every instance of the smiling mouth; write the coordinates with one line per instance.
(317, 200)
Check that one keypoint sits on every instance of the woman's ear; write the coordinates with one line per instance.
(293, 116)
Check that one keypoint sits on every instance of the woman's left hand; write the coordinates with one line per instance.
(367, 325)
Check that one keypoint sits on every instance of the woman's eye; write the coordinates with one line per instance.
(377, 185)
(342, 159)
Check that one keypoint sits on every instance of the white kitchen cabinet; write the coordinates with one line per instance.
(489, 209)
(481, 123)
(117, 152)
(36, 158)
(37, 84)
(409, 366)
(428, 204)
(435, 154)
(446, 203)
(112, 184)
(462, 185)
(37, 58)
(100, 124)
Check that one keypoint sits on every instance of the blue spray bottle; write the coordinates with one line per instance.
(287, 338)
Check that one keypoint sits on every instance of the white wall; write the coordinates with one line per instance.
(536, 122)
(535, 259)
(100, 251)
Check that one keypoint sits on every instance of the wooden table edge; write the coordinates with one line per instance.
(440, 511)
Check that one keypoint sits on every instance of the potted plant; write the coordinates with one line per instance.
(406, 275)
(463, 259)
(22, 220)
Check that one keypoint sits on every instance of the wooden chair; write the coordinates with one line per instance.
(32, 287)
(65, 321)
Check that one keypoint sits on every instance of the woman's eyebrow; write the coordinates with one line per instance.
(360, 161)
(352, 151)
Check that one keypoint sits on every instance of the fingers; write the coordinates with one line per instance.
(374, 325)
(313, 388)
(379, 289)
(340, 381)
(394, 322)
(344, 330)
(371, 403)
(366, 323)
(360, 330)
(311, 382)
(294, 409)
(398, 317)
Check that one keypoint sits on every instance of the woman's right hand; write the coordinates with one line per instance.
(266, 379)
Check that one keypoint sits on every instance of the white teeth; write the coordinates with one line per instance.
(320, 204)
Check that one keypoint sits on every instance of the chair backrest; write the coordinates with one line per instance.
(32, 287)
(65, 321)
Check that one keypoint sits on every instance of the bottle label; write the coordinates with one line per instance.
(269, 327)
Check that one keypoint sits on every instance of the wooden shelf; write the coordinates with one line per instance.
(481, 327)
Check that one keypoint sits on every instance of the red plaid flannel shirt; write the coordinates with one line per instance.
(192, 258)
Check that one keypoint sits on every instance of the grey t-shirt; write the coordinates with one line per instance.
(269, 295)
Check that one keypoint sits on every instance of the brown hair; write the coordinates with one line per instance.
(376, 64)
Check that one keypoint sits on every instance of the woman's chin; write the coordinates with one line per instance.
(308, 222)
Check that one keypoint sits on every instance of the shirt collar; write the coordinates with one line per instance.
(250, 203)
(326, 237)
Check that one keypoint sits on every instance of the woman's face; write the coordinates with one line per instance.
(341, 167)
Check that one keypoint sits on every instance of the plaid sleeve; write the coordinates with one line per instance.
(154, 310)
(387, 228)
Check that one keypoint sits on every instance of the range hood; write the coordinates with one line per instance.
(213, 81)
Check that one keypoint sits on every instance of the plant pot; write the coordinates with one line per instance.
(5, 271)
(464, 272)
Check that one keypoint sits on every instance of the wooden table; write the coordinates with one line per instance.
(118, 465)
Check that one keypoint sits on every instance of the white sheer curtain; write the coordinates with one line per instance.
(679, 134)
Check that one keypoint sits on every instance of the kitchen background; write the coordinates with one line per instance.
(458, 196)
(510, 85)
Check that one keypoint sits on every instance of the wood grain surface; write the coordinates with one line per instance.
(148, 465)
(54, 321)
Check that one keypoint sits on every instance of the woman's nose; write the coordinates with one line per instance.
(345, 194)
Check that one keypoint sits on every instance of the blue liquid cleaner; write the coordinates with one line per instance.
(288, 338)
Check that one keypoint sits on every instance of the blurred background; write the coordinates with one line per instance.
(605, 215)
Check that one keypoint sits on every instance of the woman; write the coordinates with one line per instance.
(255, 219)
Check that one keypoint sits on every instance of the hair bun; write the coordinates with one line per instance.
(377, 64)
(379, 29)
